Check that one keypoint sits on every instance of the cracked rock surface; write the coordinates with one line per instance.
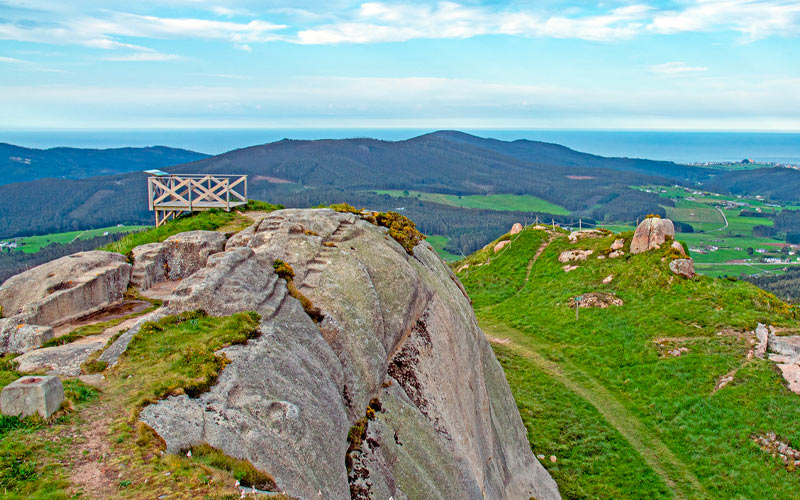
(395, 327)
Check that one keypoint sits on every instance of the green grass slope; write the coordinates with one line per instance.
(512, 202)
(603, 397)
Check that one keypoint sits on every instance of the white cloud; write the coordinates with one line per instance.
(100, 33)
(382, 22)
(754, 18)
(29, 65)
(676, 68)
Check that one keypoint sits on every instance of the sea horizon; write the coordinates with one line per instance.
(677, 146)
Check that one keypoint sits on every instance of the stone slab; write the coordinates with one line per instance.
(34, 394)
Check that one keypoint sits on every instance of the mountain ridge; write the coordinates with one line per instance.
(21, 164)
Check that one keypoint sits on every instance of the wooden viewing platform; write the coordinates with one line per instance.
(170, 195)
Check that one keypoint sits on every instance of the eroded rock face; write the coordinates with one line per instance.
(18, 338)
(515, 229)
(652, 233)
(176, 258)
(683, 268)
(66, 288)
(396, 327)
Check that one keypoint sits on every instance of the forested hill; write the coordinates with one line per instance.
(308, 173)
(19, 164)
(545, 154)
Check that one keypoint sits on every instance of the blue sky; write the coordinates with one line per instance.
(682, 64)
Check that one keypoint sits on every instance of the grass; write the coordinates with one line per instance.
(209, 220)
(593, 460)
(438, 243)
(506, 202)
(31, 448)
(176, 355)
(608, 359)
(32, 244)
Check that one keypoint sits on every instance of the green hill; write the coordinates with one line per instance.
(622, 417)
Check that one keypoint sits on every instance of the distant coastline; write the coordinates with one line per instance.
(681, 147)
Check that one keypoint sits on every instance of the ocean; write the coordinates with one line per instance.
(682, 147)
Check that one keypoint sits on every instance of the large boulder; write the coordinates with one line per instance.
(18, 338)
(397, 336)
(175, 258)
(652, 233)
(574, 255)
(683, 268)
(65, 289)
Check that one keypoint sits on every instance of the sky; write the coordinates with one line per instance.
(547, 64)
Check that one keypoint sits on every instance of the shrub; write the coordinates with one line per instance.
(343, 208)
(401, 228)
(283, 270)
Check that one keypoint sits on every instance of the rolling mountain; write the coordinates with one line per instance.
(19, 164)
(307, 173)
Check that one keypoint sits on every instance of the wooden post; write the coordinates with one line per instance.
(580, 225)
(227, 197)
(191, 188)
(554, 224)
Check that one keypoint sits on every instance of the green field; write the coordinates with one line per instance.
(438, 243)
(32, 244)
(721, 234)
(623, 418)
(510, 202)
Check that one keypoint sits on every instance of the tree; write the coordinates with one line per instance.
(750, 251)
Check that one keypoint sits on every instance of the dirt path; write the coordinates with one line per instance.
(723, 218)
(676, 475)
(536, 256)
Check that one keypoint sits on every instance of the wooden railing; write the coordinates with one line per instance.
(170, 195)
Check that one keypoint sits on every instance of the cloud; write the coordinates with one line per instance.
(388, 21)
(29, 65)
(754, 18)
(146, 56)
(383, 22)
(102, 33)
(676, 68)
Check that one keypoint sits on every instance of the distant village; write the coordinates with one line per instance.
(746, 161)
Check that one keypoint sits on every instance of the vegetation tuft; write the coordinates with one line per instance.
(286, 272)
(242, 470)
(401, 228)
